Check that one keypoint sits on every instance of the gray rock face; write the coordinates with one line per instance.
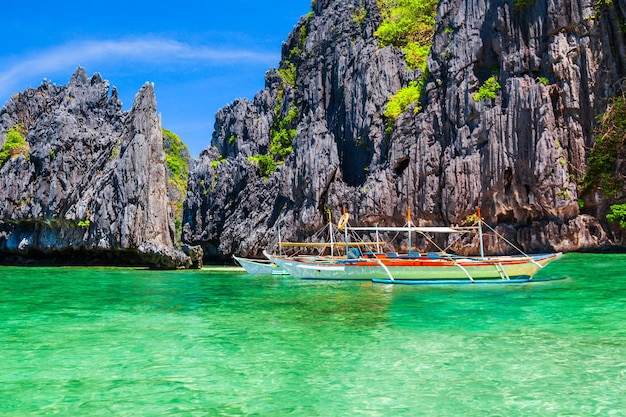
(94, 184)
(343, 81)
(519, 156)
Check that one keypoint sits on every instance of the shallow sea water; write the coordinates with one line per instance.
(218, 342)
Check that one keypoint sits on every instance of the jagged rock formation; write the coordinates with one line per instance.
(93, 187)
(519, 157)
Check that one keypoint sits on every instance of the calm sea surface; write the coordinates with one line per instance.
(218, 342)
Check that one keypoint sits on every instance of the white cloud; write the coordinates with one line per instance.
(47, 63)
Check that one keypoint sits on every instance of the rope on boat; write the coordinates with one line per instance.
(530, 258)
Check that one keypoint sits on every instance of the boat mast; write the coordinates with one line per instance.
(330, 229)
(345, 235)
(480, 234)
(345, 229)
(408, 217)
(377, 240)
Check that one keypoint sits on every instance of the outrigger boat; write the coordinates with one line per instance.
(416, 267)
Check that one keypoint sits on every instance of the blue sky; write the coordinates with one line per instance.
(199, 55)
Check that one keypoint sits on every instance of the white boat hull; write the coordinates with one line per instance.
(260, 266)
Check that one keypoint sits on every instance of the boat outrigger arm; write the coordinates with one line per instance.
(463, 269)
(382, 265)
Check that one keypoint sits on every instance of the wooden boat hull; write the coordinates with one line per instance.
(445, 269)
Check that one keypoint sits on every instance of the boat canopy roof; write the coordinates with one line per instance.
(328, 244)
(415, 229)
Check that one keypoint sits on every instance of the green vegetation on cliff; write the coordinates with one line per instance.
(177, 159)
(489, 90)
(266, 164)
(359, 14)
(15, 144)
(288, 73)
(522, 4)
(282, 134)
(406, 96)
(409, 25)
(618, 214)
(602, 162)
(299, 48)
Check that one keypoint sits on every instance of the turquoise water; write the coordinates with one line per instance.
(217, 342)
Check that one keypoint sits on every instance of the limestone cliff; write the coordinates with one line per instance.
(519, 156)
(93, 186)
